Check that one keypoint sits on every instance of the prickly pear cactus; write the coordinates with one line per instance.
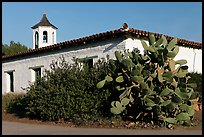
(152, 86)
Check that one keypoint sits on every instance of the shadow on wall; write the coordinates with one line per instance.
(119, 45)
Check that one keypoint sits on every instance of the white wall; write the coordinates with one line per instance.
(193, 56)
(23, 74)
(135, 43)
(198, 61)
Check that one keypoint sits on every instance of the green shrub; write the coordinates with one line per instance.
(196, 78)
(152, 86)
(10, 101)
(68, 92)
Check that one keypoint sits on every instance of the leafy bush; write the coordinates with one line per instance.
(196, 78)
(10, 101)
(68, 92)
(152, 86)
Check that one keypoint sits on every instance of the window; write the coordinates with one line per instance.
(53, 36)
(88, 61)
(10, 81)
(44, 36)
(37, 73)
(36, 40)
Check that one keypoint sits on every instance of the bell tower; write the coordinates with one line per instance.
(44, 33)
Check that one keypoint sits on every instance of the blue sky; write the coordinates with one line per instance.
(79, 19)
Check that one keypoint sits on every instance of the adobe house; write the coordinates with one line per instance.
(21, 68)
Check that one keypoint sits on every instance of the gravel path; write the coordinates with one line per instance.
(17, 128)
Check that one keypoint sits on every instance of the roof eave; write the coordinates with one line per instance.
(108, 34)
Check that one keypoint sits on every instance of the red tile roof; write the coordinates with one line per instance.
(102, 36)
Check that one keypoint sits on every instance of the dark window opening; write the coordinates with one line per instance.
(90, 63)
(36, 40)
(44, 36)
(37, 73)
(53, 36)
(11, 81)
(87, 62)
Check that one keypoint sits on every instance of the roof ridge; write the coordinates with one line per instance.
(112, 33)
(157, 35)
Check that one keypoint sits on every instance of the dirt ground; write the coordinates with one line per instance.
(114, 124)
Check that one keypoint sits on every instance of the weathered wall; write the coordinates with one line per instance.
(193, 56)
(22, 73)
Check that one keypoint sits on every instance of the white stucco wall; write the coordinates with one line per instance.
(193, 56)
(135, 43)
(198, 61)
(23, 74)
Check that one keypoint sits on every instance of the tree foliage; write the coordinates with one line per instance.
(13, 48)
(66, 92)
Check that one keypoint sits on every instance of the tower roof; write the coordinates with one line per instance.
(43, 22)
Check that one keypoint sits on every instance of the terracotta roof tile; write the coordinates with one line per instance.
(107, 34)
